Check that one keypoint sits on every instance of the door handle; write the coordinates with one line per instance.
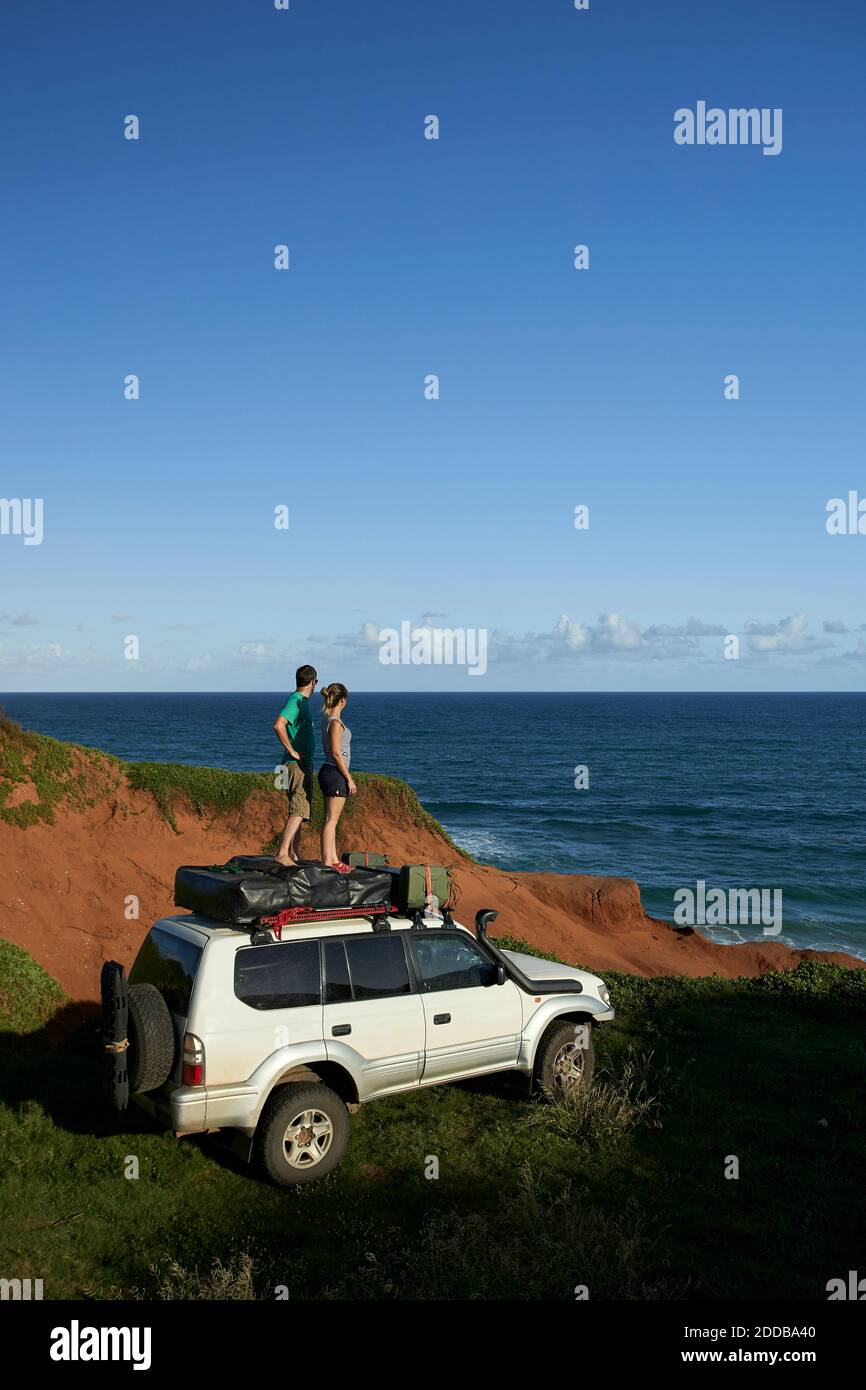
(340, 1030)
(441, 1018)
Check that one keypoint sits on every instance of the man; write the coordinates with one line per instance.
(293, 726)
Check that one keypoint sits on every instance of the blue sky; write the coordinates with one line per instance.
(408, 257)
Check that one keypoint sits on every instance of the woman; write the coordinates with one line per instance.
(334, 777)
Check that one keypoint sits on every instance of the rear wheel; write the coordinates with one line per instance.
(565, 1059)
(303, 1133)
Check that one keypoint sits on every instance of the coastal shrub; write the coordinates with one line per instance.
(608, 1112)
(818, 980)
(29, 997)
(208, 789)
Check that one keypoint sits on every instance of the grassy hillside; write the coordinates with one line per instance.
(40, 775)
(624, 1191)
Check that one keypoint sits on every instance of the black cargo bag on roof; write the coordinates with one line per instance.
(252, 886)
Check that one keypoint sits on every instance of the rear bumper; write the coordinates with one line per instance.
(183, 1110)
(233, 1107)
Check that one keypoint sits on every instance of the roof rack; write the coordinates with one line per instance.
(378, 914)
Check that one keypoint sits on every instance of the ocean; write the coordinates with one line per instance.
(737, 791)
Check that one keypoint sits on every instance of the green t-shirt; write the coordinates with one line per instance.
(299, 722)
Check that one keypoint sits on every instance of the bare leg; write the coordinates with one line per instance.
(287, 853)
(333, 810)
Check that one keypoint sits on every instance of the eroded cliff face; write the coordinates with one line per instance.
(68, 884)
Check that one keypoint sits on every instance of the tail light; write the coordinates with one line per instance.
(193, 1060)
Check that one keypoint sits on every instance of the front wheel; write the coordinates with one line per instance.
(565, 1059)
(302, 1134)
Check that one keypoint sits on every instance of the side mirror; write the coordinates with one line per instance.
(501, 976)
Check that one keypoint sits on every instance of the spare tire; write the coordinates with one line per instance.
(151, 1040)
(115, 1081)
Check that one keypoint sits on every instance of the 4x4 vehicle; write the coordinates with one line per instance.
(276, 1040)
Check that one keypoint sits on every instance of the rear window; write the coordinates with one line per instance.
(169, 962)
(284, 976)
(377, 965)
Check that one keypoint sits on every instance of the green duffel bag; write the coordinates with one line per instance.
(418, 882)
(364, 859)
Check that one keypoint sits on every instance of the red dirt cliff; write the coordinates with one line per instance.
(65, 883)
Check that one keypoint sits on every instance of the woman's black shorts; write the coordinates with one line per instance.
(332, 781)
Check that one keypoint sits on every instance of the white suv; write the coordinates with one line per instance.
(276, 1040)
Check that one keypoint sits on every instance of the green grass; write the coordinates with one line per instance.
(625, 1192)
(206, 789)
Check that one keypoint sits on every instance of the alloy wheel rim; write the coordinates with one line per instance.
(568, 1067)
(307, 1138)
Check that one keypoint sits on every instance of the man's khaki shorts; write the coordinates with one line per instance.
(299, 788)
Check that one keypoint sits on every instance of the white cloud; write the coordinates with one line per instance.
(41, 656)
(835, 626)
(612, 636)
(363, 640)
(693, 627)
(20, 619)
(616, 633)
(574, 635)
(788, 636)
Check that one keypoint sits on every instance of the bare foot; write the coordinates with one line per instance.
(287, 862)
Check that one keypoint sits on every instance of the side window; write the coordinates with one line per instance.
(283, 976)
(338, 986)
(377, 965)
(450, 962)
(169, 962)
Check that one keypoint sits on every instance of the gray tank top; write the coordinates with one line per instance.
(345, 740)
